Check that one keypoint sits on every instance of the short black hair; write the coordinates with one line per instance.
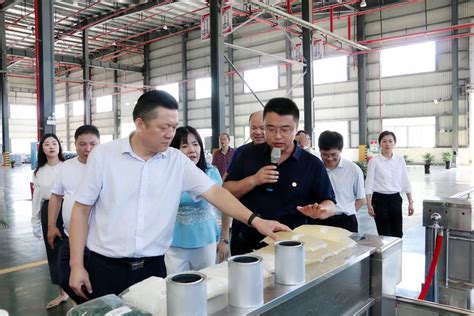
(385, 133)
(181, 137)
(86, 129)
(282, 106)
(150, 100)
(330, 140)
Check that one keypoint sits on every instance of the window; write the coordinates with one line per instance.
(203, 88)
(413, 131)
(342, 127)
(408, 59)
(22, 145)
(104, 104)
(206, 136)
(77, 108)
(59, 111)
(261, 79)
(106, 138)
(25, 112)
(172, 88)
(126, 129)
(328, 70)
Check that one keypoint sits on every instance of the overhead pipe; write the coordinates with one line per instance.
(151, 30)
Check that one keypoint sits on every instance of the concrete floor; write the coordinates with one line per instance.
(27, 289)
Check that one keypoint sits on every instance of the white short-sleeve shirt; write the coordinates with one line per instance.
(135, 201)
(347, 181)
(67, 180)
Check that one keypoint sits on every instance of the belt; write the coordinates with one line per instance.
(132, 263)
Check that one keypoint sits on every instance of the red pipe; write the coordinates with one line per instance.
(424, 33)
(333, 6)
(77, 12)
(331, 20)
(434, 262)
(349, 28)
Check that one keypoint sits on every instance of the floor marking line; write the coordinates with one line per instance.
(24, 266)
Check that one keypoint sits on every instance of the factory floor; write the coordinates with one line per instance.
(25, 285)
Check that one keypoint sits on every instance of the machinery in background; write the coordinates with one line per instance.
(452, 219)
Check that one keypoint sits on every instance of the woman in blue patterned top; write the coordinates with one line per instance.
(196, 234)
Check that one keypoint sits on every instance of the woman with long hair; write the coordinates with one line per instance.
(50, 157)
(196, 234)
(387, 178)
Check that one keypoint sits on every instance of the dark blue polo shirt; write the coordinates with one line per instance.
(302, 180)
(236, 154)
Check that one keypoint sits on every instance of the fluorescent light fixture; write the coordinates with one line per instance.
(363, 4)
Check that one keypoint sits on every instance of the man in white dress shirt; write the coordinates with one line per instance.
(347, 181)
(86, 138)
(128, 198)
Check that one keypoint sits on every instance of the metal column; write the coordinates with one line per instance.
(45, 65)
(184, 77)
(67, 112)
(86, 77)
(362, 91)
(217, 72)
(289, 70)
(455, 81)
(115, 103)
(230, 54)
(308, 87)
(4, 86)
(146, 66)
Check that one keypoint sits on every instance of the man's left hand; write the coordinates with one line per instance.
(314, 211)
(268, 227)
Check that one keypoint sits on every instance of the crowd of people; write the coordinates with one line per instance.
(150, 205)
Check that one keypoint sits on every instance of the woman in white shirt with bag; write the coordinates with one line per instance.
(50, 157)
(387, 178)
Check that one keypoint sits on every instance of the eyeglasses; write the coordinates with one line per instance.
(284, 131)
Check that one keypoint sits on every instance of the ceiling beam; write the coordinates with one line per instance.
(87, 23)
(74, 60)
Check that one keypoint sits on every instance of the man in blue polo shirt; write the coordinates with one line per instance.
(300, 186)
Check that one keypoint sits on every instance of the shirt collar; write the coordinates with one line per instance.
(126, 147)
(296, 154)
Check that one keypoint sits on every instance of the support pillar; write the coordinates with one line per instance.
(45, 65)
(362, 91)
(86, 77)
(308, 87)
(4, 86)
(230, 54)
(146, 66)
(184, 77)
(67, 112)
(217, 72)
(455, 81)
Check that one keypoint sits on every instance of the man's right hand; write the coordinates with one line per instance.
(79, 282)
(53, 233)
(371, 210)
(266, 174)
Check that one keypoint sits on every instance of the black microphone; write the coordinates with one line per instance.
(274, 159)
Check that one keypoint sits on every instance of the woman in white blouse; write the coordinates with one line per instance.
(50, 157)
(387, 178)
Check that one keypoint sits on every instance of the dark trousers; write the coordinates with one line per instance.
(388, 214)
(348, 222)
(52, 254)
(65, 270)
(114, 275)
